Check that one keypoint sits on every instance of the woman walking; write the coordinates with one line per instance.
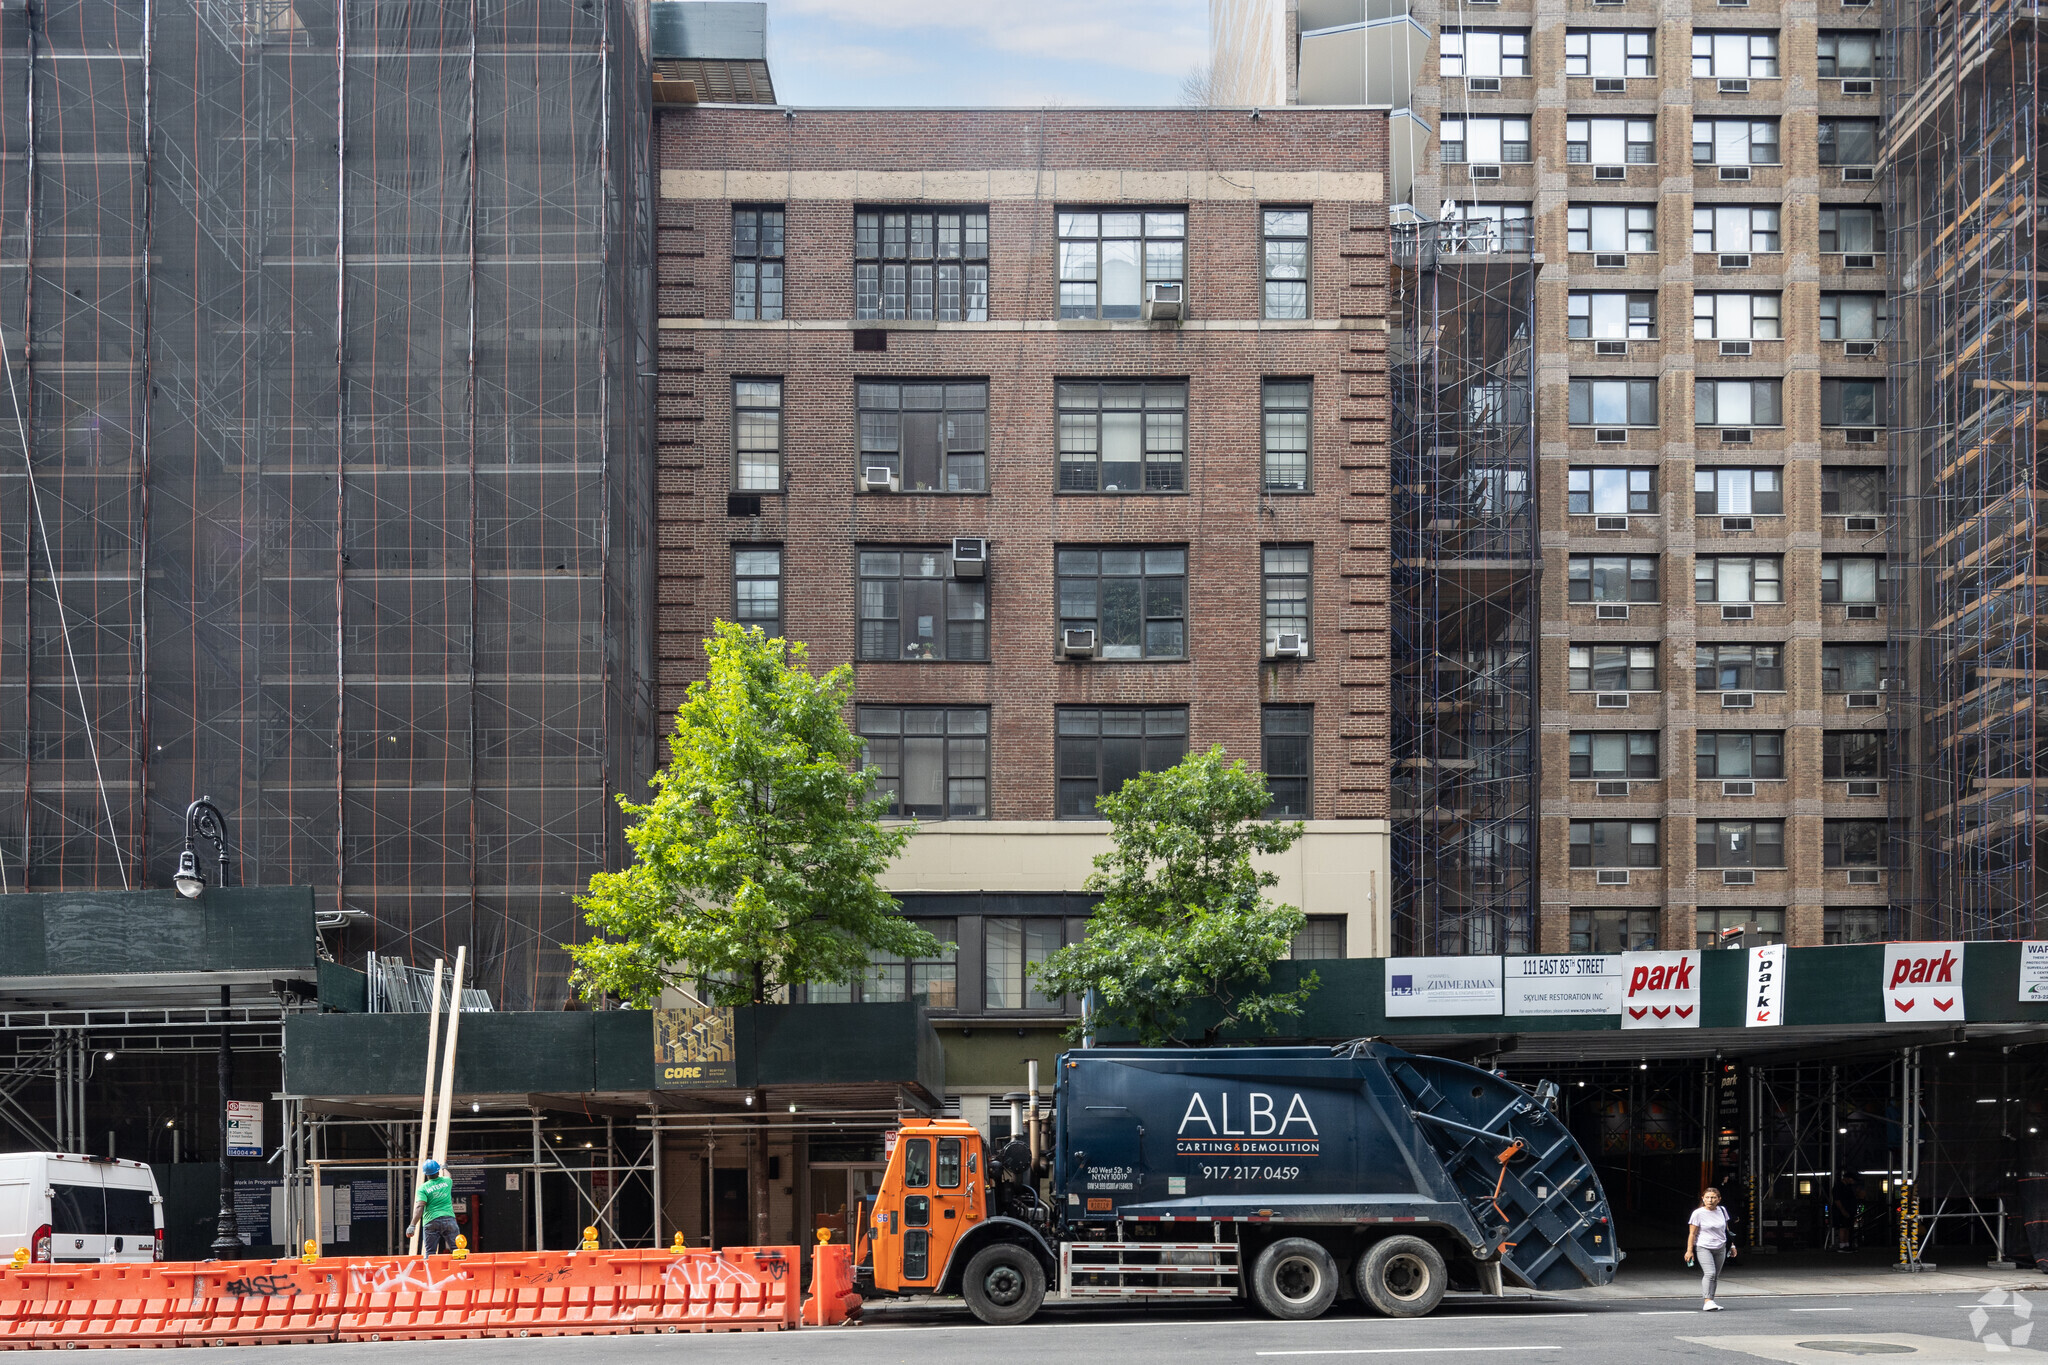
(1708, 1238)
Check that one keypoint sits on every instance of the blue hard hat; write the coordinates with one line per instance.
(433, 1167)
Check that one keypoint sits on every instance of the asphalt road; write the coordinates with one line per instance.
(1932, 1328)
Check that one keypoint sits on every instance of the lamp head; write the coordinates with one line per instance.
(188, 878)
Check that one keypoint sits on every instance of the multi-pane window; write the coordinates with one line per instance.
(1738, 668)
(1855, 924)
(1614, 754)
(1735, 142)
(933, 436)
(1485, 52)
(1320, 939)
(912, 608)
(1101, 748)
(1629, 52)
(1611, 228)
(1610, 141)
(1734, 56)
(1739, 754)
(1708, 923)
(1738, 578)
(1852, 843)
(1852, 754)
(1851, 668)
(1612, 578)
(757, 587)
(931, 266)
(1611, 668)
(1853, 490)
(1284, 431)
(1848, 141)
(1604, 930)
(1738, 402)
(757, 435)
(1123, 436)
(1612, 402)
(1740, 843)
(1735, 228)
(1850, 52)
(1286, 747)
(1012, 948)
(1737, 317)
(1484, 141)
(1286, 258)
(1738, 492)
(757, 264)
(1859, 230)
(1611, 317)
(1614, 843)
(1604, 491)
(933, 981)
(1852, 402)
(1486, 227)
(1853, 317)
(933, 761)
(1134, 598)
(1107, 259)
(1286, 577)
(1851, 578)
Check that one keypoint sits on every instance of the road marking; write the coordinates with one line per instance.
(1667, 1312)
(1410, 1350)
(1820, 1310)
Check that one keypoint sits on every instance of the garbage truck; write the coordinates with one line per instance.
(1287, 1176)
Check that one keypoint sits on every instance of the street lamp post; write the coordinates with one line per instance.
(203, 820)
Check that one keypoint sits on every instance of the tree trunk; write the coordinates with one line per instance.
(760, 983)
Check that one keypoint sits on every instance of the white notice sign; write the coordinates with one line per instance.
(1662, 990)
(245, 1128)
(2034, 973)
(1579, 983)
(1418, 986)
(1765, 1005)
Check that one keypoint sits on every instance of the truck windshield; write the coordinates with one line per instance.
(917, 1163)
(949, 1163)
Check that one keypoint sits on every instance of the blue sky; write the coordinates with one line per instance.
(977, 52)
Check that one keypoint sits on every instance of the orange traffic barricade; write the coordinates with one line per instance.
(832, 1300)
(732, 1290)
(420, 1298)
(243, 1303)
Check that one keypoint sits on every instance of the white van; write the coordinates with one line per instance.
(67, 1208)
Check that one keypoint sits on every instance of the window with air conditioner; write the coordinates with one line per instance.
(1850, 52)
(1614, 843)
(1852, 843)
(1851, 578)
(1285, 429)
(1123, 436)
(1134, 597)
(1610, 491)
(757, 435)
(1718, 54)
(1099, 748)
(1708, 922)
(1735, 142)
(757, 587)
(1631, 754)
(1852, 403)
(1484, 227)
(1853, 231)
(1853, 754)
(1736, 317)
(1611, 578)
(1621, 228)
(932, 435)
(1738, 668)
(1738, 492)
(921, 264)
(1853, 317)
(1611, 317)
(1738, 578)
(1611, 668)
(1738, 402)
(1483, 141)
(1612, 52)
(1721, 754)
(933, 760)
(757, 238)
(1738, 229)
(1853, 490)
(1286, 594)
(1612, 402)
(1108, 258)
(912, 608)
(1740, 843)
(1286, 262)
(1484, 52)
(1851, 668)
(1848, 142)
(1610, 141)
(1286, 734)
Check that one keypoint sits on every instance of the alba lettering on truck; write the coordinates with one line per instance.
(1266, 1130)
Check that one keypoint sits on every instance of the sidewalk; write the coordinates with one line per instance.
(1662, 1274)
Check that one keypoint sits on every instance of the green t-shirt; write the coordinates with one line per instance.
(438, 1194)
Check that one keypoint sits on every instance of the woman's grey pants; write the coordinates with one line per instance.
(1711, 1260)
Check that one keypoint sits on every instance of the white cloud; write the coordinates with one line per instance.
(1166, 37)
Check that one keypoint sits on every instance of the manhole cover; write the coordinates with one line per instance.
(1860, 1348)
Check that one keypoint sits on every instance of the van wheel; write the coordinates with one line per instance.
(1402, 1277)
(1004, 1284)
(1295, 1279)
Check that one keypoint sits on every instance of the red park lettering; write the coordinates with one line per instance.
(1921, 971)
(1678, 978)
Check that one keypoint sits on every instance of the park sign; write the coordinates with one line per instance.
(1923, 983)
(1764, 1006)
(1660, 990)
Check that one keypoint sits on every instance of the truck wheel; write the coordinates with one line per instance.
(1295, 1279)
(1004, 1284)
(1402, 1277)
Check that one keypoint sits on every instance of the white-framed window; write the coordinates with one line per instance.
(1611, 668)
(1850, 52)
(1615, 754)
(1849, 141)
(1738, 402)
(1737, 317)
(1611, 578)
(1107, 258)
(1738, 578)
(1595, 52)
(1611, 317)
(1735, 142)
(1851, 229)
(1611, 228)
(1851, 578)
(1485, 52)
(1612, 402)
(1484, 141)
(1853, 317)
(1610, 491)
(1740, 229)
(1719, 55)
(1738, 492)
(1610, 141)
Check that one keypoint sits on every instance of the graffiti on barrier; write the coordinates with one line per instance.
(265, 1285)
(395, 1277)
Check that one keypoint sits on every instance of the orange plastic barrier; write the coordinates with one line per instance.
(575, 1293)
(242, 1303)
(832, 1299)
(421, 1298)
(17, 1292)
(736, 1289)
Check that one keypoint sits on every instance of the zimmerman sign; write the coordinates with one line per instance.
(1424, 986)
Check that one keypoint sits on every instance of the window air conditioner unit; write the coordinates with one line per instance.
(1735, 436)
(1731, 260)
(1288, 644)
(879, 478)
(1164, 303)
(1734, 348)
(1746, 877)
(1863, 701)
(1863, 876)
(1735, 172)
(1609, 85)
(1744, 611)
(1610, 172)
(1610, 436)
(1861, 436)
(1607, 2)
(1852, 525)
(1864, 87)
(1610, 876)
(1611, 611)
(1610, 260)
(1856, 4)
(1862, 260)
(1738, 789)
(1852, 175)
(1610, 523)
(1610, 789)
(1864, 788)
(1732, 87)
(1734, 4)
(1483, 172)
(1863, 611)
(1610, 701)
(1738, 523)
(743, 504)
(1610, 348)
(1078, 644)
(1481, 85)
(970, 557)
(1859, 348)
(1737, 701)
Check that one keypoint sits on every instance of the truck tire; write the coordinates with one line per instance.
(1402, 1277)
(1004, 1284)
(1295, 1279)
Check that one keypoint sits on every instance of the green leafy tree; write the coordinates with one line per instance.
(756, 861)
(1184, 919)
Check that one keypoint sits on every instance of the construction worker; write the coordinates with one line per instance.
(435, 1203)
